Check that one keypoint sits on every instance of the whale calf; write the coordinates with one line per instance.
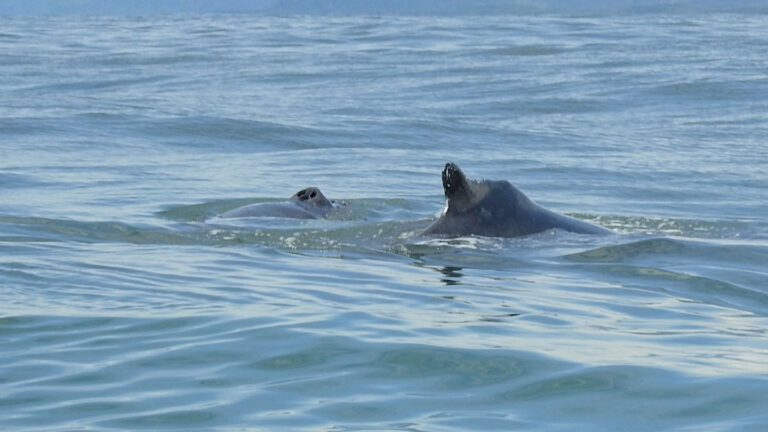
(495, 208)
(308, 203)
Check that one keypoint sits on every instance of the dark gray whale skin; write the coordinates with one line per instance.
(493, 208)
(308, 203)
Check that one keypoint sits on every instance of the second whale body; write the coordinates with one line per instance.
(308, 203)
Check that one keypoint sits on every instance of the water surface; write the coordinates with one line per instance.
(126, 305)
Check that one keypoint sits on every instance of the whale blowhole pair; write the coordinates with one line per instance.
(489, 208)
(308, 203)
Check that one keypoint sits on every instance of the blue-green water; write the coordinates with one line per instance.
(126, 305)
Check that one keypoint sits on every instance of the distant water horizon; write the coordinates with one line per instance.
(379, 7)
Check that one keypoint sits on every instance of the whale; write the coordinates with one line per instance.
(308, 203)
(496, 208)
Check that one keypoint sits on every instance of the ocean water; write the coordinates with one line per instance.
(125, 304)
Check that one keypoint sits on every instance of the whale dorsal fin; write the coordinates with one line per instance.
(461, 192)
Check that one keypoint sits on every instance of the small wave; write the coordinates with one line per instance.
(171, 59)
(89, 85)
(30, 125)
(622, 252)
(10, 36)
(659, 247)
(683, 268)
(693, 228)
(524, 51)
(700, 289)
(709, 90)
(65, 230)
(10, 180)
(262, 134)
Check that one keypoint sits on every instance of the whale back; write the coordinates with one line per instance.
(285, 209)
(308, 203)
(496, 208)
(500, 211)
